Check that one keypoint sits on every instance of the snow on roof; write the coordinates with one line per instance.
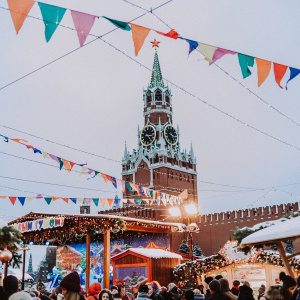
(265, 224)
(153, 253)
(281, 231)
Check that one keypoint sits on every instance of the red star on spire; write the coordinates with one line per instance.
(155, 43)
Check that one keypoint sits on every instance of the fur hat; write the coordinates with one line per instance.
(215, 286)
(71, 282)
(288, 281)
(20, 296)
(208, 279)
(10, 283)
(143, 288)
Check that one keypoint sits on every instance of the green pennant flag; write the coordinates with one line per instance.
(151, 194)
(61, 163)
(138, 201)
(48, 200)
(245, 62)
(119, 24)
(52, 15)
(128, 186)
(96, 201)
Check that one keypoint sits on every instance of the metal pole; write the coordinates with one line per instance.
(23, 269)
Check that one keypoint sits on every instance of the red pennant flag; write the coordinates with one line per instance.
(171, 34)
(110, 202)
(19, 10)
(279, 71)
(139, 34)
(83, 24)
(65, 199)
(13, 200)
(71, 165)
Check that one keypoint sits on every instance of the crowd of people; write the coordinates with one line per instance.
(212, 289)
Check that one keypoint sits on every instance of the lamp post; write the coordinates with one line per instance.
(5, 257)
(190, 210)
(24, 248)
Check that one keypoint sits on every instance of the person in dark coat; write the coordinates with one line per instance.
(10, 286)
(143, 292)
(215, 291)
(207, 281)
(172, 288)
(245, 292)
(235, 288)
(289, 286)
(154, 290)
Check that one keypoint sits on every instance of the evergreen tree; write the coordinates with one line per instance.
(184, 247)
(289, 248)
(134, 280)
(197, 250)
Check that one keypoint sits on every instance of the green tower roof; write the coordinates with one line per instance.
(156, 77)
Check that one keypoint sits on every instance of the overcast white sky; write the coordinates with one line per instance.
(91, 100)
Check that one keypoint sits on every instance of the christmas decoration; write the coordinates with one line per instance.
(184, 247)
(197, 250)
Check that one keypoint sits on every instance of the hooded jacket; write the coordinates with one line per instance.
(94, 291)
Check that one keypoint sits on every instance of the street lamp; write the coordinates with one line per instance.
(190, 209)
(5, 257)
(24, 248)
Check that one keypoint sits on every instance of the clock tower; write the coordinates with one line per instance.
(159, 162)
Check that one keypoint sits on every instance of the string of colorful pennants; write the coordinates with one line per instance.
(81, 201)
(52, 16)
(155, 196)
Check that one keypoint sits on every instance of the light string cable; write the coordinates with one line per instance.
(220, 68)
(149, 69)
(118, 161)
(74, 50)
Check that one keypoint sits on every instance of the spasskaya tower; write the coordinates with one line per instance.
(159, 163)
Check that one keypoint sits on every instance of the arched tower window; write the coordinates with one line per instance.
(148, 99)
(167, 99)
(158, 97)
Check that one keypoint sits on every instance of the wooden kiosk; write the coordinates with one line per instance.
(136, 266)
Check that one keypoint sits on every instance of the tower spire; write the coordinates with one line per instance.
(156, 77)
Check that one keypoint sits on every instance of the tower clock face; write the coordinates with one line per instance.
(148, 135)
(171, 135)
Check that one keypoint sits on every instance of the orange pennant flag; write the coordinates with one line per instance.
(139, 34)
(103, 202)
(2, 197)
(104, 178)
(65, 199)
(13, 200)
(279, 71)
(110, 202)
(137, 189)
(263, 70)
(55, 198)
(19, 10)
(66, 164)
(71, 165)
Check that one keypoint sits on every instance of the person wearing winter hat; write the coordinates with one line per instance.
(225, 288)
(235, 288)
(289, 285)
(215, 290)
(20, 296)
(261, 292)
(143, 292)
(70, 286)
(246, 293)
(207, 280)
(10, 286)
(94, 291)
(173, 289)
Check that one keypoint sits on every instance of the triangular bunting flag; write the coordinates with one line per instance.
(245, 62)
(104, 177)
(219, 53)
(66, 165)
(138, 201)
(65, 199)
(119, 24)
(61, 163)
(146, 200)
(19, 10)
(207, 50)
(192, 45)
(103, 202)
(88, 200)
(112, 180)
(294, 73)
(22, 200)
(48, 200)
(96, 173)
(171, 34)
(131, 200)
(137, 188)
(128, 186)
(30, 199)
(263, 70)
(80, 200)
(13, 200)
(279, 71)
(139, 34)
(53, 157)
(96, 201)
(124, 200)
(117, 201)
(55, 198)
(184, 194)
(110, 202)
(2, 197)
(83, 24)
(132, 186)
(83, 170)
(52, 15)
(74, 200)
(71, 165)
(45, 154)
(123, 185)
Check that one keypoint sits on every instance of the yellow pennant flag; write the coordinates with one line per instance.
(207, 50)
(139, 34)
(45, 154)
(29, 199)
(19, 10)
